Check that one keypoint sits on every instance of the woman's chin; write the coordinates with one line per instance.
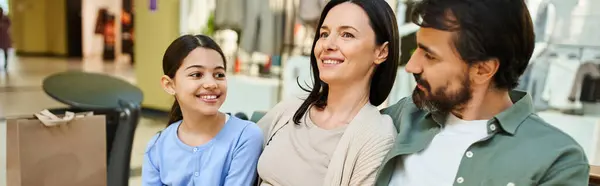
(332, 80)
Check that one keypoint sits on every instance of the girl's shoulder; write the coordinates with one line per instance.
(161, 135)
(244, 129)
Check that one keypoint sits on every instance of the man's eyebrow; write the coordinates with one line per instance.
(426, 48)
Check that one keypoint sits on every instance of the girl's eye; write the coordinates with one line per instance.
(220, 75)
(196, 75)
(348, 35)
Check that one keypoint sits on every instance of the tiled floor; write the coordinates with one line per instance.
(21, 94)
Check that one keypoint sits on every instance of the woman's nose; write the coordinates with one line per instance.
(330, 43)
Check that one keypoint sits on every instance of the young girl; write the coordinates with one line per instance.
(200, 146)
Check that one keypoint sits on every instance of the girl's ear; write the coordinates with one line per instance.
(168, 84)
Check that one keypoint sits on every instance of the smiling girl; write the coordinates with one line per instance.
(201, 145)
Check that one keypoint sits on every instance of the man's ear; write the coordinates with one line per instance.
(484, 71)
(167, 84)
(381, 53)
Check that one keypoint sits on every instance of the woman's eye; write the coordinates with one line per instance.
(348, 35)
(323, 35)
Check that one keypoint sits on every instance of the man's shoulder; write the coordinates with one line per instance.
(397, 107)
(537, 130)
(539, 144)
(537, 139)
(404, 109)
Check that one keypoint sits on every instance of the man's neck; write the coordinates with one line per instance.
(484, 105)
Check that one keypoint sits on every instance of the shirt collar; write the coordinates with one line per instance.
(509, 119)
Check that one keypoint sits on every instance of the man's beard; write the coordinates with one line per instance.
(439, 100)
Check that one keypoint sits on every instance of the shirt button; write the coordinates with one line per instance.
(195, 149)
(196, 174)
(469, 154)
(460, 180)
(510, 184)
(492, 127)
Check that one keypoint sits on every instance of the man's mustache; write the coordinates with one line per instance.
(420, 81)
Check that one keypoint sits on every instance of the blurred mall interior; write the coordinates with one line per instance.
(126, 40)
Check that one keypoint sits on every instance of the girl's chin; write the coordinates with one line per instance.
(209, 112)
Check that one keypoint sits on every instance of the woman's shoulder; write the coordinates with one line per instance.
(292, 102)
(387, 125)
(285, 109)
(380, 125)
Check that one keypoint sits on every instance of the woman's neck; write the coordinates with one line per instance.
(345, 99)
(343, 103)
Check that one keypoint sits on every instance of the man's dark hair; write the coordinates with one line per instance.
(485, 29)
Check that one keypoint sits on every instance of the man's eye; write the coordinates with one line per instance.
(429, 56)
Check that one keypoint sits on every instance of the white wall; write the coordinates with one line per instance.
(93, 44)
(4, 5)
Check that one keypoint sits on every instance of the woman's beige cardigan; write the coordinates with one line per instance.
(360, 151)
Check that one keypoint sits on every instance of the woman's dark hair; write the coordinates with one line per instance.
(173, 58)
(383, 22)
(485, 30)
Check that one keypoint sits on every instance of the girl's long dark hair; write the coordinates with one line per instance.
(383, 22)
(173, 58)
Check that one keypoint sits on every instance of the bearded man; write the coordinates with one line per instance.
(464, 124)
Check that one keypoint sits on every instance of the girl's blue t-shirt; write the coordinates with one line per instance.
(230, 158)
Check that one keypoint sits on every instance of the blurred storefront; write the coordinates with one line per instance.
(73, 28)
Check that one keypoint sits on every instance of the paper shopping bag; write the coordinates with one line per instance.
(70, 154)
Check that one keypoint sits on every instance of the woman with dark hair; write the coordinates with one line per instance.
(200, 146)
(336, 135)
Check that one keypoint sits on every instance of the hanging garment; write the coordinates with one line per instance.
(590, 69)
(401, 13)
(199, 12)
(263, 28)
(535, 77)
(540, 22)
(590, 91)
(289, 25)
(561, 76)
(279, 19)
(229, 14)
(309, 11)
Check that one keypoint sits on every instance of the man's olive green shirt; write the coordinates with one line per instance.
(520, 149)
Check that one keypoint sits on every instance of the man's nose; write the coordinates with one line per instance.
(413, 66)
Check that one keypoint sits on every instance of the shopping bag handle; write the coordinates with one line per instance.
(50, 120)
